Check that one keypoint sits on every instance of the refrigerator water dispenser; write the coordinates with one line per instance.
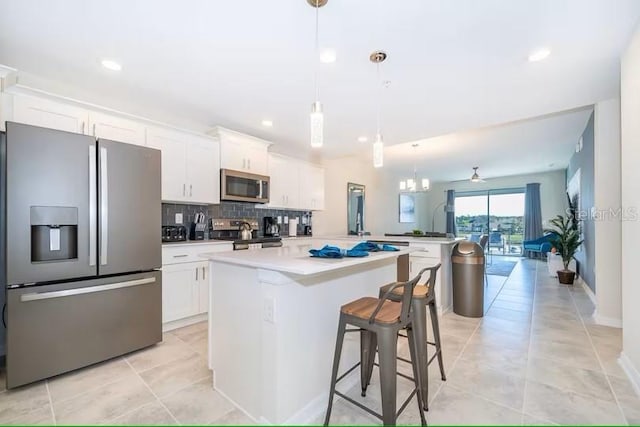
(54, 233)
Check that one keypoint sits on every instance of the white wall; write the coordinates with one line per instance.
(607, 197)
(630, 175)
(381, 199)
(553, 197)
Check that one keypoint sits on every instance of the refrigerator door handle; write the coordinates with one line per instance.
(93, 201)
(104, 207)
(88, 290)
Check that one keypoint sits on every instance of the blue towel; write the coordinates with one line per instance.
(356, 253)
(327, 252)
(366, 246)
(389, 248)
(335, 252)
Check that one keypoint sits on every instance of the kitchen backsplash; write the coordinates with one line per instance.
(232, 210)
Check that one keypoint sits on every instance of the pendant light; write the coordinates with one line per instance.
(411, 184)
(316, 119)
(377, 58)
(475, 177)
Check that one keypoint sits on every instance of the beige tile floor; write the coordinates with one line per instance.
(535, 358)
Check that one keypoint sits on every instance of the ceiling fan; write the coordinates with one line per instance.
(475, 177)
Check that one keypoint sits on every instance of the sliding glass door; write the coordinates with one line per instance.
(498, 213)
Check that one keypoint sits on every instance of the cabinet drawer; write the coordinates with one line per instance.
(179, 254)
(427, 250)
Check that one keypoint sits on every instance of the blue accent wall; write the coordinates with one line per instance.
(584, 160)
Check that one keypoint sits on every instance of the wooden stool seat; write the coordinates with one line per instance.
(364, 307)
(420, 291)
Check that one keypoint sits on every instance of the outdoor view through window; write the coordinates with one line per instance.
(498, 213)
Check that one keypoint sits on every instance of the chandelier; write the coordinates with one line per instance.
(411, 184)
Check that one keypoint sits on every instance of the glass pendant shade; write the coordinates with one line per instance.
(317, 124)
(378, 152)
(403, 186)
(426, 184)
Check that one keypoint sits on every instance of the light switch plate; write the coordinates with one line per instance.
(286, 220)
(178, 218)
(279, 219)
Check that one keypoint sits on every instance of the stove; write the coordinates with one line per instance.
(229, 230)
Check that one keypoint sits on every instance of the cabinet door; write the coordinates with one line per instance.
(116, 128)
(203, 288)
(49, 114)
(278, 182)
(203, 170)
(174, 162)
(179, 291)
(257, 158)
(232, 156)
(311, 187)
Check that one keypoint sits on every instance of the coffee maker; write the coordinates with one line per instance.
(271, 227)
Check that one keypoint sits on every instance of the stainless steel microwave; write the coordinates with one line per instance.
(240, 186)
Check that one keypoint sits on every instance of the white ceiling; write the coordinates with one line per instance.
(528, 146)
(453, 64)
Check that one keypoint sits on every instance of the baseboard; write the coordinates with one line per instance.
(260, 421)
(598, 318)
(318, 406)
(587, 289)
(607, 321)
(181, 323)
(309, 413)
(631, 371)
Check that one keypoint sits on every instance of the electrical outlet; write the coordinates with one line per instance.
(286, 220)
(178, 218)
(269, 309)
(279, 219)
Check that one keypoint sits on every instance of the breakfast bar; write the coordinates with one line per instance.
(272, 324)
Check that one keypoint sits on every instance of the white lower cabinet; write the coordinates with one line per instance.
(185, 281)
(180, 291)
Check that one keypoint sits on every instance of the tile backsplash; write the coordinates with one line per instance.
(232, 210)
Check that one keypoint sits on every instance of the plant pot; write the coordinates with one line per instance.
(566, 277)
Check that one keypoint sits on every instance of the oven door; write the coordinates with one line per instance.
(243, 187)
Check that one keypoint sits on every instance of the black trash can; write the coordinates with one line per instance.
(467, 259)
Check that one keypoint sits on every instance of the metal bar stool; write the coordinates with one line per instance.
(379, 320)
(423, 296)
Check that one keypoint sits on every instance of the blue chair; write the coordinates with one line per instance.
(496, 241)
(541, 244)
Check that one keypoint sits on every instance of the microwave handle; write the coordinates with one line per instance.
(260, 183)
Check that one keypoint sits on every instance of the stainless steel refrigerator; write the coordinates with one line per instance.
(82, 247)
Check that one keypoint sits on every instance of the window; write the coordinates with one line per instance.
(498, 213)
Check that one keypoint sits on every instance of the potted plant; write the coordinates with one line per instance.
(566, 241)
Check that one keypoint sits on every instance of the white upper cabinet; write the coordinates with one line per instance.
(49, 114)
(311, 187)
(174, 162)
(242, 152)
(116, 128)
(203, 170)
(190, 166)
(284, 182)
(295, 184)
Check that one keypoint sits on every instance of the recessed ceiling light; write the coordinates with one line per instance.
(362, 139)
(111, 65)
(539, 55)
(267, 123)
(327, 56)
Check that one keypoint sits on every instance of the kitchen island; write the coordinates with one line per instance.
(273, 321)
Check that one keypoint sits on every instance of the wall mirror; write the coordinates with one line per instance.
(355, 208)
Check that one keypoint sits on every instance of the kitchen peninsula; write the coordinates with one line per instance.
(274, 316)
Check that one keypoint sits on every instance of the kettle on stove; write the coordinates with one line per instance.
(245, 231)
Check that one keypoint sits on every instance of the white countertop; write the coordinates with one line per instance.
(197, 242)
(411, 239)
(296, 259)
